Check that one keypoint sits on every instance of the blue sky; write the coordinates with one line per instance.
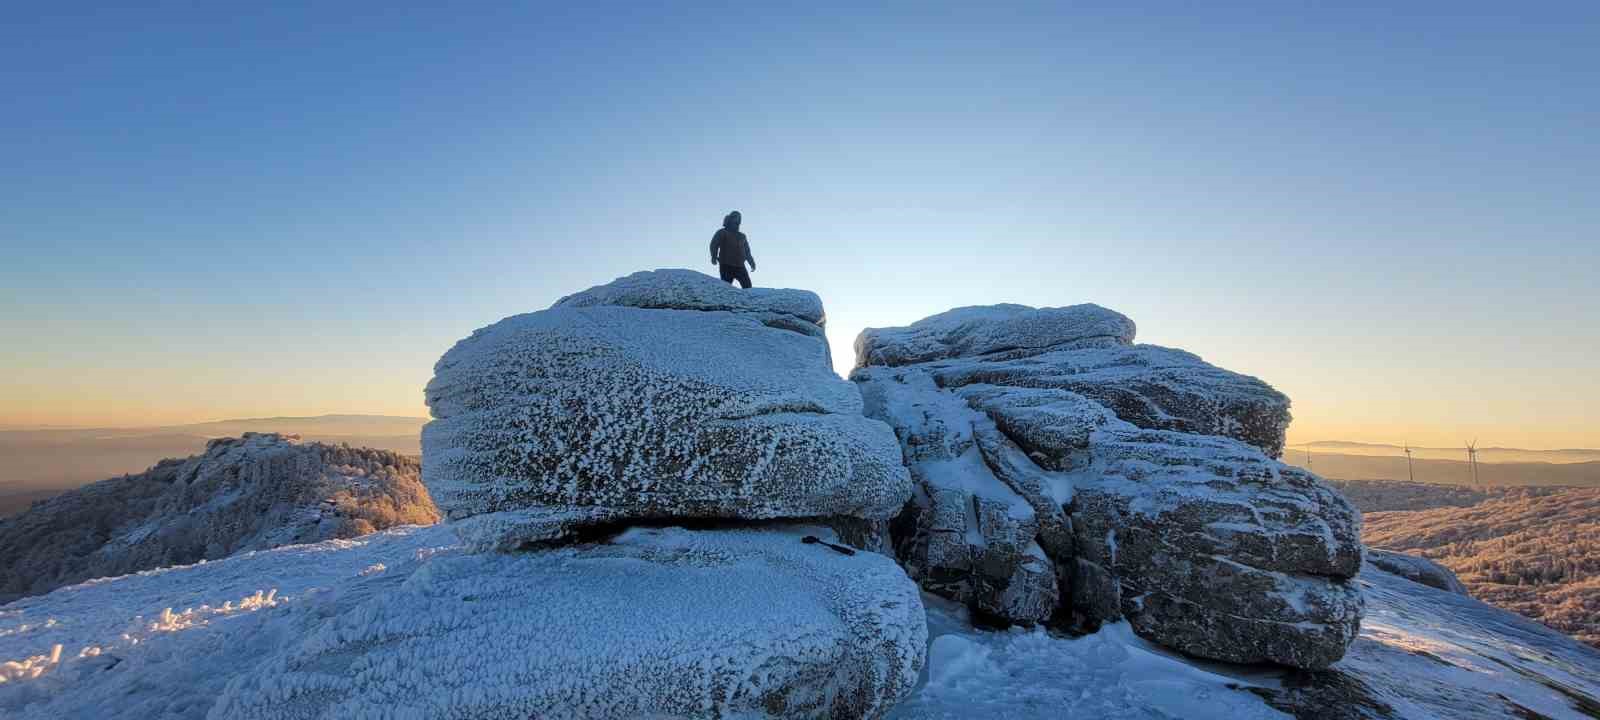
(1391, 214)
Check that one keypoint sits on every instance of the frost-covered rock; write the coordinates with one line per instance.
(663, 395)
(798, 310)
(1087, 351)
(656, 623)
(1141, 477)
(1011, 330)
(249, 493)
(1417, 569)
(1217, 550)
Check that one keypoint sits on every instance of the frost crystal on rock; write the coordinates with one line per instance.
(663, 395)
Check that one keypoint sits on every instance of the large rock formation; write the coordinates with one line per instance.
(249, 493)
(665, 395)
(655, 623)
(1066, 475)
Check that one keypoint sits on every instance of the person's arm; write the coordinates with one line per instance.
(748, 256)
(714, 238)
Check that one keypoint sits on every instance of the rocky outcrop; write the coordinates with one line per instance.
(1085, 350)
(675, 623)
(248, 493)
(1417, 569)
(1068, 476)
(663, 396)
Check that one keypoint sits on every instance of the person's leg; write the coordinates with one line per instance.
(729, 272)
(743, 276)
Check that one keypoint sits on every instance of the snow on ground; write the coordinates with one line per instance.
(166, 643)
(1020, 673)
(1430, 653)
(163, 643)
(679, 622)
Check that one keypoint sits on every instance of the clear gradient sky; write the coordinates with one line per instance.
(1390, 213)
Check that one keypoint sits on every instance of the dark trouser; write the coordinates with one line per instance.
(731, 273)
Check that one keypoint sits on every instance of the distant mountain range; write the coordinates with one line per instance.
(1485, 454)
(36, 463)
(1497, 467)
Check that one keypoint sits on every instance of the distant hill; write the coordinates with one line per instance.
(1485, 454)
(1534, 551)
(254, 492)
(40, 462)
(1451, 472)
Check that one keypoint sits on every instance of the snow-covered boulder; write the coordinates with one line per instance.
(1417, 569)
(663, 395)
(1212, 548)
(656, 623)
(797, 310)
(1067, 476)
(1085, 350)
(1006, 329)
(248, 493)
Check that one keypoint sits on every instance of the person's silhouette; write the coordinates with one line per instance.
(730, 250)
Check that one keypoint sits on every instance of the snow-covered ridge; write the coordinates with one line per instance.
(248, 493)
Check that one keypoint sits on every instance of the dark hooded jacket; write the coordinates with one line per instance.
(729, 246)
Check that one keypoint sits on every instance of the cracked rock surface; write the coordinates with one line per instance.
(1068, 476)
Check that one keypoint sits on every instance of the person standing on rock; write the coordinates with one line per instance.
(730, 250)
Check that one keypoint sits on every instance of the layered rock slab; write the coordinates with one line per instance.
(1141, 475)
(1212, 548)
(1086, 350)
(656, 623)
(663, 395)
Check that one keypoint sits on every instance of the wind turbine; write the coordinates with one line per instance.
(1472, 460)
(1409, 472)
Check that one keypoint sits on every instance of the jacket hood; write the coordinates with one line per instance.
(731, 221)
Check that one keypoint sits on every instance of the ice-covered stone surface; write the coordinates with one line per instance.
(985, 329)
(1217, 550)
(1141, 477)
(642, 411)
(247, 493)
(689, 290)
(658, 622)
(1417, 569)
